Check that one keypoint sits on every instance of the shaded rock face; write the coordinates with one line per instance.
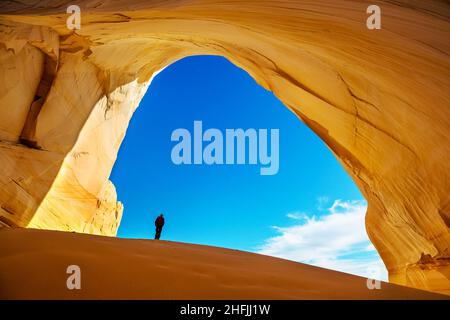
(378, 98)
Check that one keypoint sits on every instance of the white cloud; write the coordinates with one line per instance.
(297, 215)
(322, 201)
(336, 240)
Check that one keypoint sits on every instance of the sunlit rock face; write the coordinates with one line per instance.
(378, 98)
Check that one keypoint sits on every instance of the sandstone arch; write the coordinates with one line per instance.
(379, 99)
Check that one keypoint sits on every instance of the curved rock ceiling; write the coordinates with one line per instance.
(378, 98)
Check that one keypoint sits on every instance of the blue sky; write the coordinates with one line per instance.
(293, 214)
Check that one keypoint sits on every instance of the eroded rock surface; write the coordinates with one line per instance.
(378, 98)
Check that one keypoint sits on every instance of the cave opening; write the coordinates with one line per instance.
(319, 221)
(350, 85)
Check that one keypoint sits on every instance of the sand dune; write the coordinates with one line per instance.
(33, 264)
(379, 99)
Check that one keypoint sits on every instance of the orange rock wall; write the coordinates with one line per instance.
(378, 98)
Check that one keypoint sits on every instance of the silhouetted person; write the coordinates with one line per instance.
(159, 223)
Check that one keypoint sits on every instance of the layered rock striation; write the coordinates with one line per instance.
(378, 98)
